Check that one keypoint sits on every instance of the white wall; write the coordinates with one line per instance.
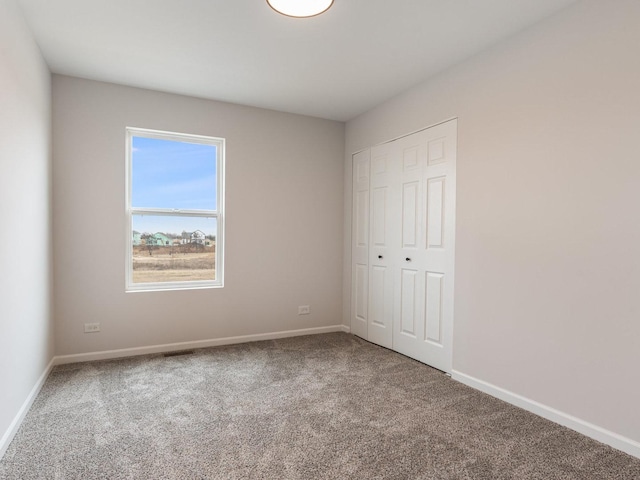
(283, 226)
(548, 232)
(26, 337)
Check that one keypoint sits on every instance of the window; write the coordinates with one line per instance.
(175, 214)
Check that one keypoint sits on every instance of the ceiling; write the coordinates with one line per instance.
(336, 66)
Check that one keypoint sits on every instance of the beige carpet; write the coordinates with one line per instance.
(317, 407)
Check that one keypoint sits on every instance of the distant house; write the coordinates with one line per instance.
(137, 238)
(198, 237)
(161, 240)
(184, 238)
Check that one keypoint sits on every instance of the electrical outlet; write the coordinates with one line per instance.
(91, 327)
(304, 310)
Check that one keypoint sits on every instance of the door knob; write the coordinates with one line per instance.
(380, 256)
(408, 259)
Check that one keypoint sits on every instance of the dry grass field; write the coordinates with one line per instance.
(173, 264)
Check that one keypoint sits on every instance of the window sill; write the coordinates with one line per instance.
(171, 287)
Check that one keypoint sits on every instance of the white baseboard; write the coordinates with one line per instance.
(17, 421)
(600, 434)
(171, 347)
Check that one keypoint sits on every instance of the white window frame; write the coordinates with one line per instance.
(218, 213)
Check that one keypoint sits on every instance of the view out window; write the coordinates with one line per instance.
(174, 210)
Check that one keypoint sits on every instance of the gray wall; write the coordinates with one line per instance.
(548, 237)
(284, 205)
(26, 337)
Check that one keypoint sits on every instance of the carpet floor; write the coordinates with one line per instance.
(316, 407)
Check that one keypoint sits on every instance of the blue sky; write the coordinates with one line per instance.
(171, 174)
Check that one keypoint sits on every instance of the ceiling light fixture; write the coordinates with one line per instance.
(300, 8)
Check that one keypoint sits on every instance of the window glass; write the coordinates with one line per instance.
(173, 174)
(173, 248)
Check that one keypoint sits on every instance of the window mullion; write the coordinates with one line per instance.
(174, 212)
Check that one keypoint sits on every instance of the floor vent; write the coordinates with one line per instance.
(177, 354)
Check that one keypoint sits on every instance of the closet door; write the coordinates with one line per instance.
(360, 245)
(423, 316)
(383, 223)
(409, 292)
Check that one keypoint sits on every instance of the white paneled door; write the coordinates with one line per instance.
(383, 199)
(360, 245)
(423, 296)
(410, 245)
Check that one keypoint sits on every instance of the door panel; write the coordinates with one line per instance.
(436, 150)
(379, 282)
(433, 317)
(360, 244)
(428, 301)
(361, 293)
(385, 201)
(409, 293)
(362, 218)
(435, 212)
(379, 216)
(409, 310)
(410, 215)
